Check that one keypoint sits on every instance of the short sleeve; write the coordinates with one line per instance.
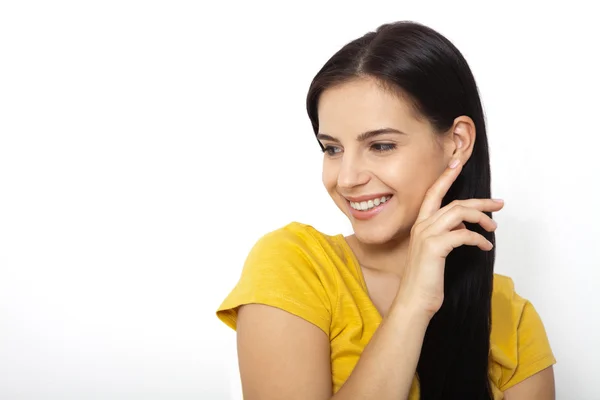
(534, 352)
(281, 272)
(520, 344)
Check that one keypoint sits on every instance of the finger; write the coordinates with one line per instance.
(461, 226)
(487, 205)
(459, 214)
(479, 204)
(434, 196)
(452, 240)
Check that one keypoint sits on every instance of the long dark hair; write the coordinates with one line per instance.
(425, 66)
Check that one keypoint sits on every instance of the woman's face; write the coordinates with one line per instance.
(379, 159)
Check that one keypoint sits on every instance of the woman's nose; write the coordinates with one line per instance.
(351, 174)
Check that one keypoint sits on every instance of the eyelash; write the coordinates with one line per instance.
(383, 147)
(376, 147)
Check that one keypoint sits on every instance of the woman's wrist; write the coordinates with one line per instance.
(411, 309)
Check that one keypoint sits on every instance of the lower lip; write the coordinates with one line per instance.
(364, 215)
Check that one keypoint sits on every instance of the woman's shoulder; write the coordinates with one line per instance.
(519, 344)
(286, 268)
(298, 238)
(293, 232)
(505, 300)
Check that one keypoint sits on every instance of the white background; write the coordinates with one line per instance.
(145, 146)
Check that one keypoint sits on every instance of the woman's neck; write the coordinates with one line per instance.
(389, 257)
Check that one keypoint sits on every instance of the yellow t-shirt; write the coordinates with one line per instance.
(317, 277)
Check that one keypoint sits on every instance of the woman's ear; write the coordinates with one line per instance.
(462, 139)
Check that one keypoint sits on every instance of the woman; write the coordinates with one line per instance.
(408, 306)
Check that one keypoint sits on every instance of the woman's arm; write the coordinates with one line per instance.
(537, 387)
(282, 356)
(387, 366)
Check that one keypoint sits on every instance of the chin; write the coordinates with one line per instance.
(374, 233)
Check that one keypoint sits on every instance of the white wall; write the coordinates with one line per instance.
(145, 146)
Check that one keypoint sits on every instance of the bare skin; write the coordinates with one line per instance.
(402, 252)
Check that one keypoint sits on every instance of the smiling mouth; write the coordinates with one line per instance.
(369, 204)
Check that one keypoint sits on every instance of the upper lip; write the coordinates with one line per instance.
(366, 197)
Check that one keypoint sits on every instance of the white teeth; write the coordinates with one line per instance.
(367, 205)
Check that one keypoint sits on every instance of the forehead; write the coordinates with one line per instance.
(363, 104)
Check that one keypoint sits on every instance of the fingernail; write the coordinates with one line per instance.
(491, 245)
(498, 200)
(454, 163)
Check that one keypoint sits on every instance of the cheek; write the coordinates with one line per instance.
(401, 174)
(411, 177)
(329, 176)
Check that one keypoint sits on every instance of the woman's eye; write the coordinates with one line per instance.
(382, 147)
(331, 150)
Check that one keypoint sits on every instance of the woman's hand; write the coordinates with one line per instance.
(434, 235)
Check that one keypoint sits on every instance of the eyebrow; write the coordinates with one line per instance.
(363, 136)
